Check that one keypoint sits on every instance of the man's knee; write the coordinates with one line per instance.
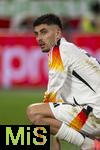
(33, 113)
(39, 109)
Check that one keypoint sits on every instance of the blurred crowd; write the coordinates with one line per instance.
(89, 23)
(92, 23)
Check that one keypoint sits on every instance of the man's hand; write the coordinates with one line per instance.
(56, 144)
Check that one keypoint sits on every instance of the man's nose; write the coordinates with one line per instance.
(39, 38)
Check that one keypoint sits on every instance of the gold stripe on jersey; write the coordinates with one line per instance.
(51, 97)
(54, 60)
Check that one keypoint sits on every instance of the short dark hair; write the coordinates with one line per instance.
(49, 19)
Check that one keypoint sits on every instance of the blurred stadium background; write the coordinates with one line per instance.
(23, 68)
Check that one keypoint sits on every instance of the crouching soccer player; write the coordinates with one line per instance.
(72, 101)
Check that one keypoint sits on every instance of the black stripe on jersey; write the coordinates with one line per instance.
(98, 62)
(81, 79)
(75, 101)
(56, 104)
(88, 54)
(91, 56)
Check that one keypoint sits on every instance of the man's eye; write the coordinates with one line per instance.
(36, 34)
(44, 32)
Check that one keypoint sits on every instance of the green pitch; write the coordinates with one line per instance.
(13, 104)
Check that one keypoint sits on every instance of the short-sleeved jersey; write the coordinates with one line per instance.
(74, 77)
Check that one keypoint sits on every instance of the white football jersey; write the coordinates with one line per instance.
(74, 76)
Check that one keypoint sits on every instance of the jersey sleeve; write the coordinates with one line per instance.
(57, 76)
(55, 83)
(60, 61)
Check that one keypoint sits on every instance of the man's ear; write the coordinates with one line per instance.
(58, 33)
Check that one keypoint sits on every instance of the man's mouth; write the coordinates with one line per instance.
(42, 44)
